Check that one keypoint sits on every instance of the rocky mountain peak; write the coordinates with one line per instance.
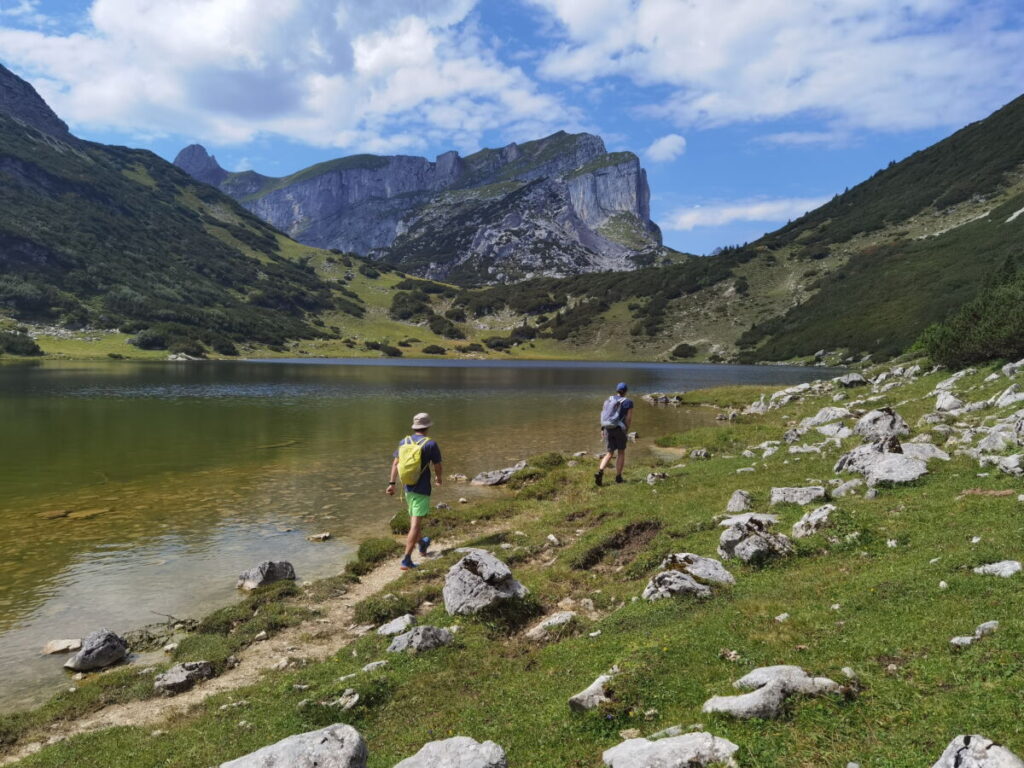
(20, 100)
(200, 165)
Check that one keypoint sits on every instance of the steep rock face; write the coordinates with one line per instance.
(197, 163)
(20, 100)
(556, 206)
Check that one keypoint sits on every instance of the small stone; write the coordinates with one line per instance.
(170, 648)
(319, 536)
(373, 666)
(596, 633)
(261, 635)
(782, 618)
(836, 606)
(629, 733)
(943, 585)
(553, 540)
(975, 539)
(594, 695)
(463, 500)
(891, 543)
(396, 626)
(62, 646)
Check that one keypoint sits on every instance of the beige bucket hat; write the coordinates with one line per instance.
(422, 421)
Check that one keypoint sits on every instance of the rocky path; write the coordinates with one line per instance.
(332, 630)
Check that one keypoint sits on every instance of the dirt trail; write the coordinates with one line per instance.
(332, 630)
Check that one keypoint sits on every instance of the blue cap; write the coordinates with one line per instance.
(621, 387)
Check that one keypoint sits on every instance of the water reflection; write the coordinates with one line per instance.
(134, 489)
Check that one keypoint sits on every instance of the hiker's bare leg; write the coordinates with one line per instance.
(604, 461)
(620, 461)
(414, 535)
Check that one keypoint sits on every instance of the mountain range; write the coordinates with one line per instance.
(558, 206)
(501, 252)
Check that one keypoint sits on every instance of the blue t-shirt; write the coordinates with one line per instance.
(430, 453)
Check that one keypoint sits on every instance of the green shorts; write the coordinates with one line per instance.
(419, 504)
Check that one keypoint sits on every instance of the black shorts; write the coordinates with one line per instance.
(614, 439)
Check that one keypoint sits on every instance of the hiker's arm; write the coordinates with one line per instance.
(437, 472)
(629, 418)
(393, 478)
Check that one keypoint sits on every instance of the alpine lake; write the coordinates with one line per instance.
(130, 492)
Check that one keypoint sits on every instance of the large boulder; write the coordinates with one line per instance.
(801, 496)
(813, 521)
(880, 424)
(182, 677)
(100, 649)
(705, 569)
(895, 469)
(977, 752)
(421, 639)
(477, 582)
(752, 542)
(498, 476)
(689, 750)
(336, 746)
(457, 752)
(266, 572)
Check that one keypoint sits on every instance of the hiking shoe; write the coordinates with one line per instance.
(598, 479)
(424, 545)
(407, 563)
(618, 479)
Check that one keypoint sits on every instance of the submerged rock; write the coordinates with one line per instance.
(498, 476)
(336, 746)
(100, 649)
(265, 573)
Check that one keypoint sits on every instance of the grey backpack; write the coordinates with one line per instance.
(611, 415)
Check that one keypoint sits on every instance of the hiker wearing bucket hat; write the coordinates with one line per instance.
(411, 464)
(616, 416)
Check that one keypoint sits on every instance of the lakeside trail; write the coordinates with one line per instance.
(310, 641)
(864, 588)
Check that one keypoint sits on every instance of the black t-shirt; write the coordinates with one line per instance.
(430, 453)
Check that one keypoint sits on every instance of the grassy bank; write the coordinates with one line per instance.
(862, 594)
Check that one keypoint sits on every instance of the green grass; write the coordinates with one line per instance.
(892, 627)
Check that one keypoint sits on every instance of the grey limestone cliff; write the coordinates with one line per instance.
(556, 206)
(19, 100)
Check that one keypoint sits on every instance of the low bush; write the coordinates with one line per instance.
(18, 344)
(434, 349)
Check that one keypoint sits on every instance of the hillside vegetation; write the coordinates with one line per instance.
(871, 601)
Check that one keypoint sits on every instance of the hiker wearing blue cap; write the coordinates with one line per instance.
(616, 416)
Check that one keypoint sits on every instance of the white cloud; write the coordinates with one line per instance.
(804, 138)
(337, 73)
(745, 210)
(666, 149)
(854, 64)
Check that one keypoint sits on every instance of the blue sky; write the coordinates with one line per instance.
(745, 113)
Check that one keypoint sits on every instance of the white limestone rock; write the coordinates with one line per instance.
(457, 752)
(671, 583)
(813, 521)
(336, 746)
(977, 752)
(1004, 569)
(689, 750)
(881, 424)
(542, 630)
(396, 626)
(595, 694)
(705, 569)
(740, 501)
(801, 496)
(479, 581)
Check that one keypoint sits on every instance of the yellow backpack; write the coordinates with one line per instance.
(410, 459)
